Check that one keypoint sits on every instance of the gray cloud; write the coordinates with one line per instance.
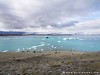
(68, 24)
(21, 14)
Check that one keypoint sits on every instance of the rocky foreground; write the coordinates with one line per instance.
(50, 63)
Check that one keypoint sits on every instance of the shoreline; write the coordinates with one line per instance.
(27, 54)
(8, 56)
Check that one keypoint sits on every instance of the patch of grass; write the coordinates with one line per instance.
(34, 72)
(69, 62)
(96, 66)
(24, 71)
(55, 65)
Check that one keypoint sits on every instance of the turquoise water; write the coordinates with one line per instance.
(42, 43)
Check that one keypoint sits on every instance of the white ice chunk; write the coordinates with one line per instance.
(59, 41)
(5, 51)
(64, 38)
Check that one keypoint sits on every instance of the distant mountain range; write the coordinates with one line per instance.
(11, 32)
(15, 33)
(6, 33)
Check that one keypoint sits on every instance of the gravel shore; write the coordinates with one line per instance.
(50, 63)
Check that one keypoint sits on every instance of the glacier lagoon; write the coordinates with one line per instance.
(52, 43)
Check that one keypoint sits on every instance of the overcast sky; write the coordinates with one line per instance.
(50, 16)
